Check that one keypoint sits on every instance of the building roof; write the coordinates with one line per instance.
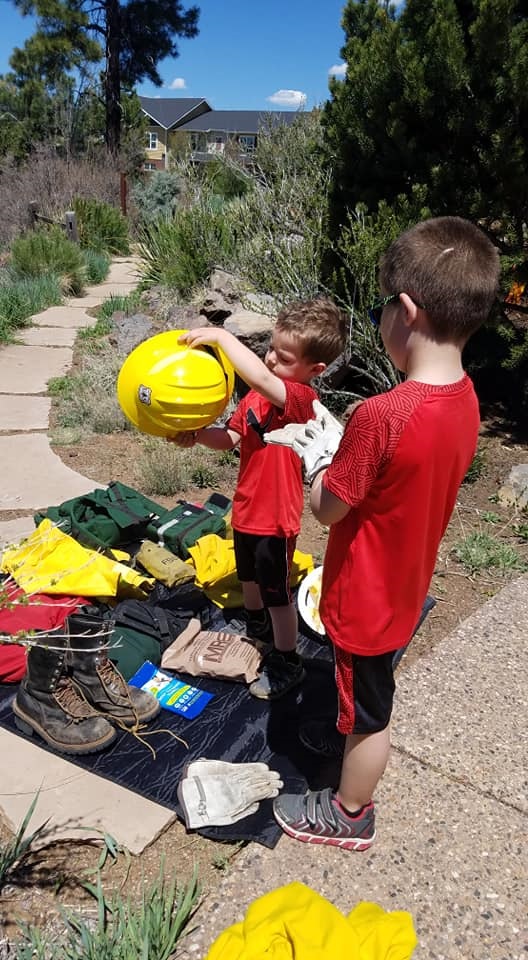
(170, 111)
(238, 121)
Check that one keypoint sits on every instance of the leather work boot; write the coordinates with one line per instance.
(99, 681)
(47, 703)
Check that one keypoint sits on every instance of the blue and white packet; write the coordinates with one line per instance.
(173, 694)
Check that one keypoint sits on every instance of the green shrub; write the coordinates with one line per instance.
(97, 265)
(477, 468)
(20, 299)
(162, 467)
(156, 196)
(49, 251)
(113, 303)
(481, 551)
(101, 227)
(181, 254)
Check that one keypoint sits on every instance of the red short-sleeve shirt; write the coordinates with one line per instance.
(399, 466)
(268, 499)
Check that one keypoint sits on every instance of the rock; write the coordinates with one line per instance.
(515, 490)
(253, 329)
(183, 317)
(217, 308)
(227, 284)
(261, 303)
(129, 331)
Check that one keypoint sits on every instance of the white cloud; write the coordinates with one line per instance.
(177, 84)
(338, 70)
(288, 98)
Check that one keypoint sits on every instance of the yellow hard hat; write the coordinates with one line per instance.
(165, 387)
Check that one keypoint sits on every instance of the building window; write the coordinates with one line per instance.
(152, 140)
(149, 166)
(248, 142)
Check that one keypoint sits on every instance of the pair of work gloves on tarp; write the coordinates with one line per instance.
(315, 442)
(214, 793)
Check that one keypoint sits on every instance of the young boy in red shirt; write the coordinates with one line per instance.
(387, 495)
(268, 499)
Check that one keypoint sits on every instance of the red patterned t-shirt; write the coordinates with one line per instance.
(399, 466)
(268, 499)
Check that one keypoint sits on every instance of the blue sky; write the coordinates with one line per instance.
(249, 54)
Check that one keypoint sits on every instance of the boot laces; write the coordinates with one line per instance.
(71, 702)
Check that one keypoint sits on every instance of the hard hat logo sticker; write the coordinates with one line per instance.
(144, 395)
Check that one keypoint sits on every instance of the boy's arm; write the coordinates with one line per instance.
(326, 507)
(246, 363)
(216, 438)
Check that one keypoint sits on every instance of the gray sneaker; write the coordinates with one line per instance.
(277, 676)
(316, 817)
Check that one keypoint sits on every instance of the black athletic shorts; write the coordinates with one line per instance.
(266, 561)
(365, 691)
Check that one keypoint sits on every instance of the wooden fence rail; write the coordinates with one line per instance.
(69, 224)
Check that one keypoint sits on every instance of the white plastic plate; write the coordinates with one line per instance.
(308, 600)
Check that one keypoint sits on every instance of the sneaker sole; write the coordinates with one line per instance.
(276, 696)
(356, 844)
(28, 726)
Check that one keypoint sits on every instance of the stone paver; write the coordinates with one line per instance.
(74, 800)
(64, 317)
(27, 370)
(48, 337)
(23, 413)
(12, 531)
(37, 477)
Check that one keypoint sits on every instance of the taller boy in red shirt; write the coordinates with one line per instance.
(387, 495)
(268, 500)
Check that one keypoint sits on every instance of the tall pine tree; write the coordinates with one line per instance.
(130, 38)
(436, 95)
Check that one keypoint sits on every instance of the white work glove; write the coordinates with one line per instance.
(315, 442)
(218, 799)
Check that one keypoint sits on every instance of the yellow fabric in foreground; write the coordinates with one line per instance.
(214, 562)
(50, 561)
(295, 922)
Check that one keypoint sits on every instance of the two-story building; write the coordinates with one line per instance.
(184, 124)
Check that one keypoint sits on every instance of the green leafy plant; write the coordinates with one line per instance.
(489, 517)
(477, 468)
(114, 303)
(97, 265)
(162, 467)
(203, 476)
(101, 227)
(521, 530)
(122, 930)
(181, 253)
(20, 299)
(480, 551)
(13, 853)
(49, 251)
(156, 195)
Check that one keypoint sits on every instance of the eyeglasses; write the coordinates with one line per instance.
(376, 310)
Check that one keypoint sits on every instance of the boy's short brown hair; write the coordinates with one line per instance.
(451, 268)
(318, 325)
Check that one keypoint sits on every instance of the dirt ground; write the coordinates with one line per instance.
(51, 878)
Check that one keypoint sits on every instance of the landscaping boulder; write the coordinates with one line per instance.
(515, 490)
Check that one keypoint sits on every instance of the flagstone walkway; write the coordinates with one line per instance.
(34, 477)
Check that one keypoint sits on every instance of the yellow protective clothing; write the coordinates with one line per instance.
(49, 561)
(214, 562)
(295, 923)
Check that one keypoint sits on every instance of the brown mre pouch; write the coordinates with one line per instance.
(164, 565)
(210, 653)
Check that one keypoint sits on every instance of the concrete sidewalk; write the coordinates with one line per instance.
(452, 809)
(73, 799)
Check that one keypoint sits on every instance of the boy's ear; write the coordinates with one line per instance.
(411, 309)
(318, 369)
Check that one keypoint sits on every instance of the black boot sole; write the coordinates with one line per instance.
(29, 726)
